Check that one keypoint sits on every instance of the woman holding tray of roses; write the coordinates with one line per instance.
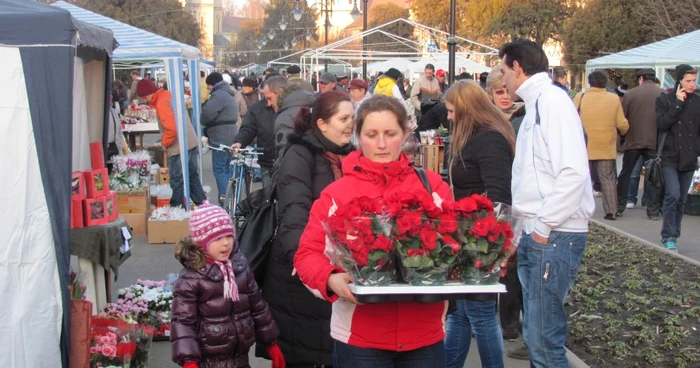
(403, 334)
(482, 149)
(311, 161)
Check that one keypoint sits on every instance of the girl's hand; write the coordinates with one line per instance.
(338, 283)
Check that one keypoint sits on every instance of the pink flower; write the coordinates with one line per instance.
(129, 295)
(109, 351)
(94, 350)
(104, 340)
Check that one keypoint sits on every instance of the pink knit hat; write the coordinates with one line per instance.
(209, 223)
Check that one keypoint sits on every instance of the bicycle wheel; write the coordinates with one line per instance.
(230, 199)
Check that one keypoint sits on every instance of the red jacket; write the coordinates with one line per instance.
(390, 326)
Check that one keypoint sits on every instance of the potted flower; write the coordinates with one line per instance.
(80, 320)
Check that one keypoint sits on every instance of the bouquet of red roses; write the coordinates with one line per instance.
(358, 232)
(423, 237)
(486, 235)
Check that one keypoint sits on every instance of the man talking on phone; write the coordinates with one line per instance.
(678, 120)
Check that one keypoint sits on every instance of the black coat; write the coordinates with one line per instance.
(304, 320)
(260, 122)
(207, 327)
(434, 118)
(681, 121)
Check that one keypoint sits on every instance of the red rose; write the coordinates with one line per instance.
(483, 202)
(478, 263)
(381, 242)
(367, 204)
(448, 205)
(429, 238)
(481, 228)
(448, 223)
(466, 205)
(452, 243)
(409, 222)
(506, 245)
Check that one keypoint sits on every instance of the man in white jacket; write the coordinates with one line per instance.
(551, 186)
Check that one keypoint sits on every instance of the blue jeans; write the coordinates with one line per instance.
(677, 184)
(266, 173)
(221, 165)
(348, 356)
(482, 317)
(177, 182)
(547, 273)
(634, 184)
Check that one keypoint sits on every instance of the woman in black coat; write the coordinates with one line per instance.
(482, 150)
(311, 161)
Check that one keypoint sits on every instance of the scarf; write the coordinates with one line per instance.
(230, 286)
(336, 163)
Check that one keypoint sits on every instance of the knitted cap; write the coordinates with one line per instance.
(145, 87)
(209, 223)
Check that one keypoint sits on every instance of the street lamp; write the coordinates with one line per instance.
(308, 35)
(355, 13)
(271, 34)
(294, 41)
(283, 24)
(286, 46)
(297, 13)
(364, 39)
(327, 7)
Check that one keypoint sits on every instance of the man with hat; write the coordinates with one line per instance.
(677, 114)
(160, 100)
(328, 82)
(343, 81)
(295, 78)
(639, 106)
(251, 94)
(358, 92)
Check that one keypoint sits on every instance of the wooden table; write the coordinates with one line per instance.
(131, 131)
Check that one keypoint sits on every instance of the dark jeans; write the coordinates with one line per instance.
(480, 317)
(177, 182)
(221, 165)
(634, 185)
(547, 272)
(510, 304)
(348, 356)
(629, 161)
(677, 184)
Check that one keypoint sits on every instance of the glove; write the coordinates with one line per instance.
(191, 364)
(276, 356)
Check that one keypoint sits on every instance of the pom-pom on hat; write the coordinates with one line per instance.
(209, 223)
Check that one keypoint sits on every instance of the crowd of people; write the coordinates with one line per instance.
(516, 135)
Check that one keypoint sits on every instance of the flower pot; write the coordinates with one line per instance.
(80, 319)
(428, 276)
(692, 205)
(474, 276)
(373, 276)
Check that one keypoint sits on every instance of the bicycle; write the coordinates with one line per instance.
(241, 178)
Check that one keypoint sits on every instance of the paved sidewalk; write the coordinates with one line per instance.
(635, 222)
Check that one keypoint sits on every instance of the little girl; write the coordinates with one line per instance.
(218, 311)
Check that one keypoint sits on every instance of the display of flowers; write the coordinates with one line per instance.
(130, 172)
(426, 235)
(117, 343)
(695, 187)
(77, 288)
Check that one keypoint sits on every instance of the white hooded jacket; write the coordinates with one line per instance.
(551, 182)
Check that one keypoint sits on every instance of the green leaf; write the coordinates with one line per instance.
(418, 262)
(376, 255)
(482, 245)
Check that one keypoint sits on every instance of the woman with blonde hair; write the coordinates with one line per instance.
(482, 151)
(500, 96)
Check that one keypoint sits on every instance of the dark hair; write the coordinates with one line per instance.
(430, 66)
(648, 77)
(201, 73)
(190, 254)
(135, 72)
(528, 54)
(656, 80)
(214, 78)
(115, 97)
(598, 79)
(378, 103)
(483, 77)
(325, 106)
(558, 72)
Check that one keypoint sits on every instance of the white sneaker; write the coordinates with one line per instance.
(630, 205)
(597, 194)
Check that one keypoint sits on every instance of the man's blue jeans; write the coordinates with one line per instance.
(634, 185)
(547, 273)
(348, 356)
(266, 174)
(177, 182)
(482, 317)
(221, 165)
(677, 184)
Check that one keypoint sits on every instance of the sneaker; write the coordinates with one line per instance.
(519, 353)
(655, 218)
(610, 217)
(670, 244)
(630, 205)
(597, 194)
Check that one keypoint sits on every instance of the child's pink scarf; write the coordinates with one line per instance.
(230, 286)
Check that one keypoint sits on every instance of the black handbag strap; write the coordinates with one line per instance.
(580, 102)
(424, 179)
(660, 146)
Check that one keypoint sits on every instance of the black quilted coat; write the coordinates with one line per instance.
(214, 331)
(304, 320)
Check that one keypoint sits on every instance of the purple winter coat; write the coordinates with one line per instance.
(214, 331)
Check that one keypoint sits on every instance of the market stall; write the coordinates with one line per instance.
(140, 46)
(44, 52)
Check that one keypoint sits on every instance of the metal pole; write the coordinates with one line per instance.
(326, 41)
(452, 42)
(364, 40)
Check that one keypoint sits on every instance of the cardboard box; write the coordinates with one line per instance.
(137, 222)
(94, 211)
(133, 202)
(167, 232)
(432, 157)
(97, 183)
(163, 177)
(76, 213)
(97, 155)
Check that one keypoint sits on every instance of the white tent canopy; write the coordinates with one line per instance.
(382, 66)
(661, 55)
(441, 61)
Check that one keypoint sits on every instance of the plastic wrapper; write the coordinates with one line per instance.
(170, 213)
(116, 342)
(161, 191)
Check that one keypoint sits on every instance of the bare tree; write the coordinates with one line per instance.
(668, 18)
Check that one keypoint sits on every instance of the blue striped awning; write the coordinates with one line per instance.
(134, 43)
